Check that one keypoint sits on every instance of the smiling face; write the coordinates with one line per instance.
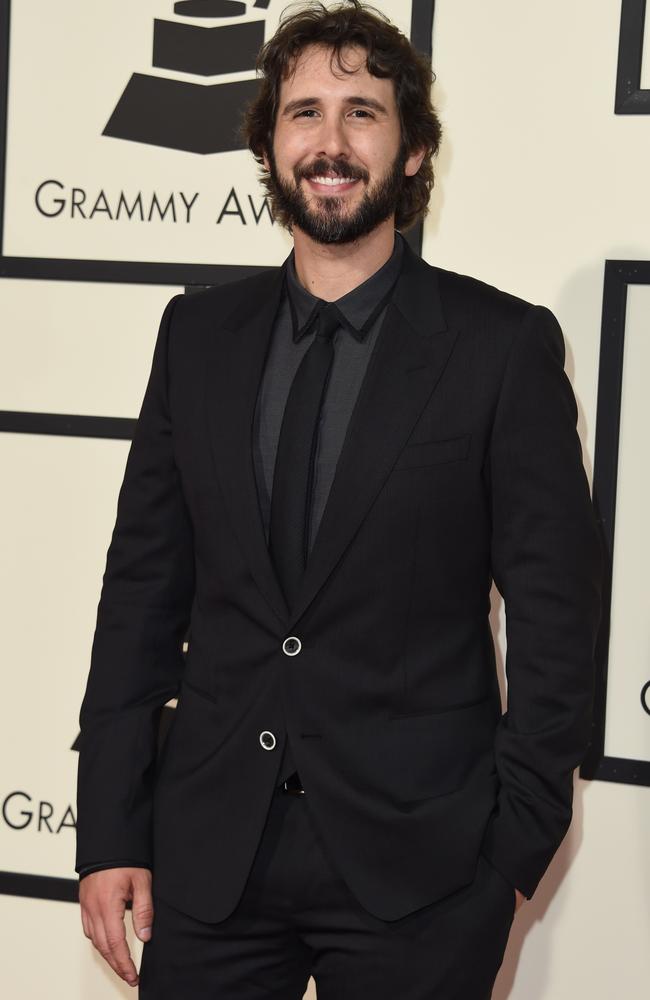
(338, 163)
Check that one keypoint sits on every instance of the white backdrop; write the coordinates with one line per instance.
(538, 183)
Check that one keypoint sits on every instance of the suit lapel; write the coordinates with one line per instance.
(409, 357)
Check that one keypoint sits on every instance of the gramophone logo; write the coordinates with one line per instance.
(193, 116)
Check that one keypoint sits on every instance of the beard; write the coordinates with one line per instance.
(330, 220)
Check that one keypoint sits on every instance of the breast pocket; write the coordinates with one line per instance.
(420, 454)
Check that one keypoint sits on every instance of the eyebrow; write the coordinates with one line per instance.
(365, 102)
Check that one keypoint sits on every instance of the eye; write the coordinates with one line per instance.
(355, 111)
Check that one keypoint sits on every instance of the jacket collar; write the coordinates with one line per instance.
(358, 308)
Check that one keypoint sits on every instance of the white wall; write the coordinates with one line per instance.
(539, 182)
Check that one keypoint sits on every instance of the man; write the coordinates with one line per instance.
(332, 462)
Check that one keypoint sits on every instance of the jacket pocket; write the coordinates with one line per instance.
(420, 454)
(427, 713)
(432, 753)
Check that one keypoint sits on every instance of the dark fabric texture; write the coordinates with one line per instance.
(294, 467)
(362, 311)
(297, 918)
(332, 390)
(289, 532)
(461, 464)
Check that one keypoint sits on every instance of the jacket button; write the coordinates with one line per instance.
(267, 740)
(292, 645)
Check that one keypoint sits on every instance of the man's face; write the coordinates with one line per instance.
(338, 164)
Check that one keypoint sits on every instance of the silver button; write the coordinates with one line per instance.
(292, 645)
(267, 740)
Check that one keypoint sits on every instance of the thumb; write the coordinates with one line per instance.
(142, 908)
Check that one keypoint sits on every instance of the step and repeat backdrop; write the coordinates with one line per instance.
(122, 182)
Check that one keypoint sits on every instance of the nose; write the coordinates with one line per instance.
(332, 140)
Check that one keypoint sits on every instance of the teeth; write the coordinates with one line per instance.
(333, 180)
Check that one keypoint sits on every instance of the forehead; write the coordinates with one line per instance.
(316, 72)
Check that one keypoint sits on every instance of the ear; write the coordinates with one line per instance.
(267, 165)
(414, 162)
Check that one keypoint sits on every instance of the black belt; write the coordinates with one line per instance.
(292, 785)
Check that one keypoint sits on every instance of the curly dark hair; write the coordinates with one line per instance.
(389, 54)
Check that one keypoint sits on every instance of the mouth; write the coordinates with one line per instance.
(332, 185)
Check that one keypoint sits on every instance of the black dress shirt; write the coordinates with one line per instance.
(362, 313)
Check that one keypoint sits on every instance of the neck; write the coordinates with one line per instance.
(330, 270)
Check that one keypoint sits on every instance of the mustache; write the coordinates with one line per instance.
(320, 167)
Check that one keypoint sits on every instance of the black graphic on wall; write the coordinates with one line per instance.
(191, 115)
(631, 98)
(619, 275)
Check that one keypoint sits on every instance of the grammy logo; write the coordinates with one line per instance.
(193, 115)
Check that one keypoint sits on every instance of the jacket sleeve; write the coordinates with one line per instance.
(547, 562)
(137, 651)
(102, 866)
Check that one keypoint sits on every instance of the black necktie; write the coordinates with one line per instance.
(294, 462)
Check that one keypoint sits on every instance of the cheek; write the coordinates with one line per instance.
(374, 156)
(290, 150)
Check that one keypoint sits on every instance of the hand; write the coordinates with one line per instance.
(102, 899)
(519, 899)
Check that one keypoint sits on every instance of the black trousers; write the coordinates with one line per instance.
(297, 918)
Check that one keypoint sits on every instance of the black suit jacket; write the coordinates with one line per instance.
(462, 464)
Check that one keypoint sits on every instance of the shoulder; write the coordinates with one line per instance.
(506, 318)
(199, 317)
(217, 301)
(470, 300)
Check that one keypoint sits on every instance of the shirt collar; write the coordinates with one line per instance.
(358, 308)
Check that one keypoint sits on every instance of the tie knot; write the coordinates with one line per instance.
(328, 321)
